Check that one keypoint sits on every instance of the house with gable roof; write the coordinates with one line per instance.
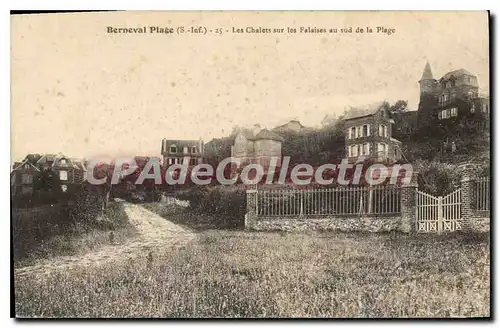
(454, 96)
(190, 152)
(257, 146)
(26, 175)
(369, 134)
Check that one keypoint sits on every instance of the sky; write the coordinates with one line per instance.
(80, 91)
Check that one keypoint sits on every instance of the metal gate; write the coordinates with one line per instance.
(438, 214)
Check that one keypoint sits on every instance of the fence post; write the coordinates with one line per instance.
(408, 204)
(467, 183)
(251, 215)
(440, 215)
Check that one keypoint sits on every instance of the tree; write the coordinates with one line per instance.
(399, 106)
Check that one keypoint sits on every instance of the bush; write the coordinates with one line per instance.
(224, 205)
(436, 177)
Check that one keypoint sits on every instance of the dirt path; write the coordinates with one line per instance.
(154, 234)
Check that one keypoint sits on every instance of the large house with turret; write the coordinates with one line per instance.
(451, 98)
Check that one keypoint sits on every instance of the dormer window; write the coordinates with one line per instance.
(185, 150)
(473, 108)
(63, 162)
(26, 166)
(173, 149)
(452, 83)
(193, 150)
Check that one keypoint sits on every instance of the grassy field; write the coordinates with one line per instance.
(77, 238)
(249, 274)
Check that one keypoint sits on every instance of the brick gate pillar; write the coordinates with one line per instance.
(251, 215)
(408, 204)
(467, 183)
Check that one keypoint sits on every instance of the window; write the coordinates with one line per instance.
(353, 150)
(382, 131)
(185, 150)
(365, 130)
(170, 161)
(63, 162)
(64, 188)
(173, 149)
(193, 150)
(26, 166)
(192, 161)
(484, 107)
(454, 111)
(26, 178)
(382, 149)
(358, 132)
(366, 149)
(63, 175)
(352, 133)
(444, 114)
(452, 83)
(473, 108)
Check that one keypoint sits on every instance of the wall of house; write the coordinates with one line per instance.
(374, 138)
(267, 148)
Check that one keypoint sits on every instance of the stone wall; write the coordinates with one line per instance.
(368, 224)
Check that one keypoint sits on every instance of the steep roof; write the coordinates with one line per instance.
(18, 165)
(265, 134)
(427, 74)
(181, 143)
(53, 159)
(361, 111)
(165, 143)
(286, 124)
(247, 133)
(457, 72)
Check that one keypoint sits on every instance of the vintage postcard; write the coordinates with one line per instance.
(272, 164)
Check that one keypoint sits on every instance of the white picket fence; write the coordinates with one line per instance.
(353, 201)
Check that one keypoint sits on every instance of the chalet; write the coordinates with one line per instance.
(38, 174)
(23, 177)
(290, 126)
(189, 152)
(369, 134)
(257, 146)
(451, 98)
